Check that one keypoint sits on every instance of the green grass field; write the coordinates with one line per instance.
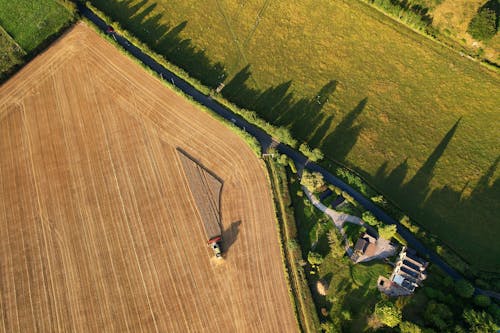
(30, 22)
(371, 93)
(11, 53)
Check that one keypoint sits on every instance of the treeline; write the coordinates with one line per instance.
(415, 16)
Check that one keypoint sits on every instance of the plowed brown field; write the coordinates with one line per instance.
(98, 231)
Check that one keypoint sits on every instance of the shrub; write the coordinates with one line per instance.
(312, 180)
(283, 159)
(388, 313)
(437, 314)
(291, 164)
(483, 25)
(408, 327)
(314, 258)
(387, 231)
(314, 155)
(335, 240)
(482, 301)
(479, 321)
(464, 288)
(370, 219)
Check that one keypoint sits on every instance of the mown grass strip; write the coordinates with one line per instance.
(292, 255)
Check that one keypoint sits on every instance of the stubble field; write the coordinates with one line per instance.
(369, 92)
(98, 229)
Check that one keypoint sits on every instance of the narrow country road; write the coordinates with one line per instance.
(267, 141)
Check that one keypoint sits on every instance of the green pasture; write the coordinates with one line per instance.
(11, 54)
(417, 120)
(30, 22)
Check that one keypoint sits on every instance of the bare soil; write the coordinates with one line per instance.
(98, 231)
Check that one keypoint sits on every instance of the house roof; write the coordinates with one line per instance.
(361, 245)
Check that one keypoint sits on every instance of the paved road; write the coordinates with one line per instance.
(267, 141)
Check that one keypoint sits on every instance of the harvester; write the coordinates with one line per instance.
(214, 244)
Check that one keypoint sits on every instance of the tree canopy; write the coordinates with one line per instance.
(464, 288)
(483, 25)
(312, 180)
(388, 313)
(387, 231)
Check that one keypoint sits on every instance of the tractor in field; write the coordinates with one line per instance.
(214, 244)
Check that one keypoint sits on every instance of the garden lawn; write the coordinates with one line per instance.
(30, 22)
(11, 53)
(417, 120)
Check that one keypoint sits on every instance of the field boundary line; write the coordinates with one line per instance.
(257, 22)
(235, 40)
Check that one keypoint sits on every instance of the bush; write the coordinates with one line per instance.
(336, 243)
(387, 231)
(439, 315)
(312, 181)
(388, 313)
(482, 301)
(371, 220)
(314, 258)
(408, 327)
(314, 155)
(483, 25)
(464, 288)
(479, 321)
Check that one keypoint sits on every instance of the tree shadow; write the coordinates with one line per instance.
(143, 20)
(446, 211)
(230, 235)
(346, 134)
(277, 104)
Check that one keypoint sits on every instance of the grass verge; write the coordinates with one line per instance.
(292, 254)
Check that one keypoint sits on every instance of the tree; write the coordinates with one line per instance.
(370, 219)
(409, 327)
(482, 301)
(314, 155)
(388, 313)
(437, 314)
(329, 327)
(483, 25)
(283, 159)
(314, 258)
(464, 288)
(335, 240)
(387, 231)
(479, 321)
(312, 180)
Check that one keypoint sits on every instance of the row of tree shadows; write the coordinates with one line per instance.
(306, 119)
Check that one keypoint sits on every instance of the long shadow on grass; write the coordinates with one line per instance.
(143, 20)
(277, 104)
(470, 215)
(346, 134)
(305, 116)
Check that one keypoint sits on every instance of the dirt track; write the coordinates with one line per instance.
(97, 229)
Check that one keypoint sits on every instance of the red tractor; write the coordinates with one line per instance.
(214, 244)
